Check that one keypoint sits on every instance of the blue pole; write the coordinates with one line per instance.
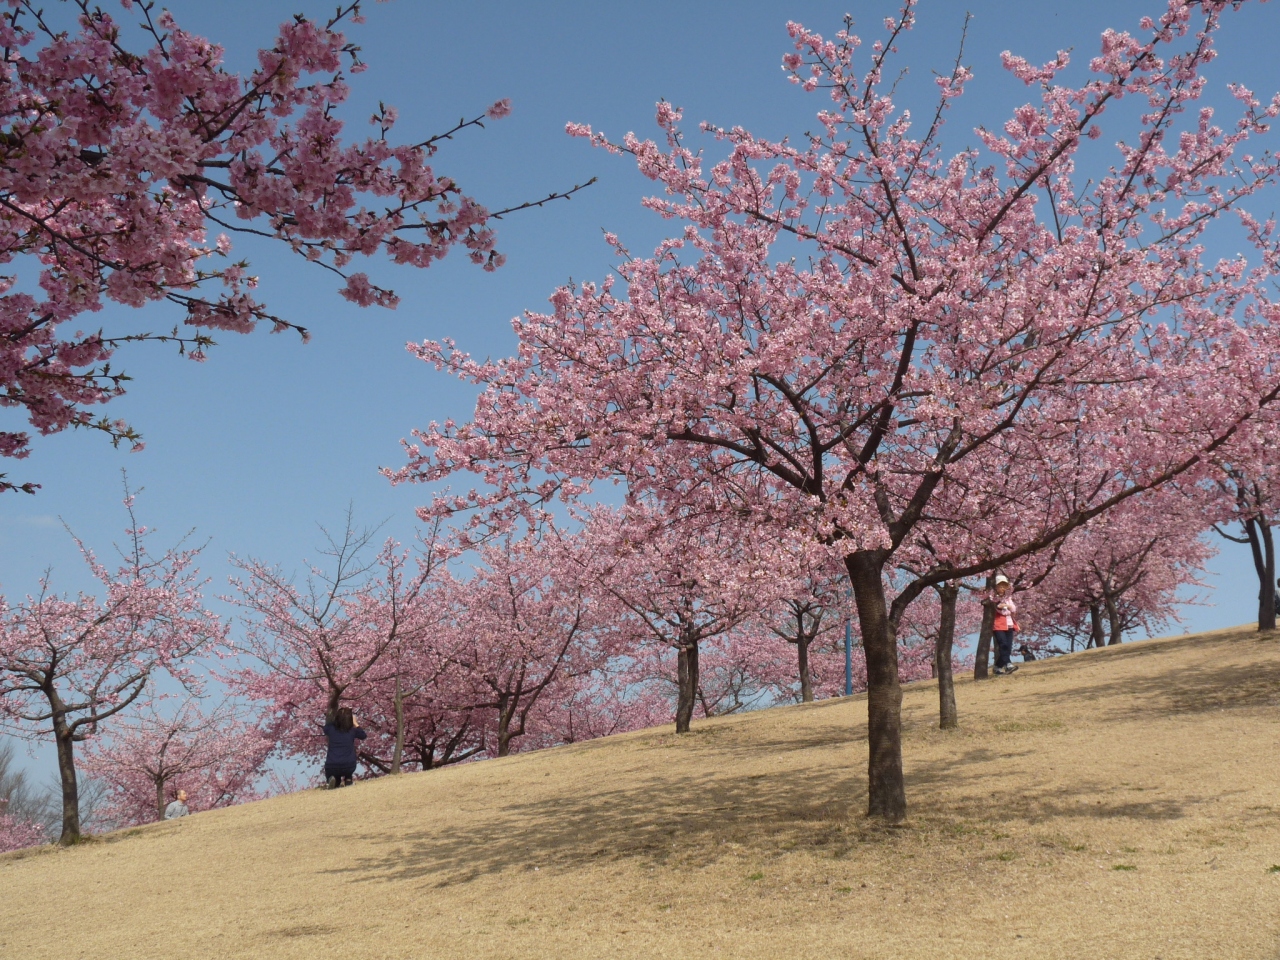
(848, 656)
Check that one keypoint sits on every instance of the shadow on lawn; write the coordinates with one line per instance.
(1172, 691)
(690, 819)
(685, 819)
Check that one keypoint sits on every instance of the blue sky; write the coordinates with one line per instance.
(271, 437)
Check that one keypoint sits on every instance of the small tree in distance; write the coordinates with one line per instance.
(332, 637)
(70, 664)
(525, 630)
(17, 832)
(217, 758)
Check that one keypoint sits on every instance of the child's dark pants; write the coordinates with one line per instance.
(1004, 647)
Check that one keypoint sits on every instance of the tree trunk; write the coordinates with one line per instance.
(1262, 545)
(70, 787)
(505, 735)
(982, 659)
(886, 792)
(948, 718)
(159, 798)
(397, 753)
(686, 683)
(806, 682)
(1095, 626)
(1115, 629)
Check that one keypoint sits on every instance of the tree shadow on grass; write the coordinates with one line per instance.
(669, 817)
(689, 819)
(686, 821)
(1174, 691)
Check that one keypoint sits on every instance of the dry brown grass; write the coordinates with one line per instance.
(1120, 803)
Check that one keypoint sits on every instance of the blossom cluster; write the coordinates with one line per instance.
(124, 173)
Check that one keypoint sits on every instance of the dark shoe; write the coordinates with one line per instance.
(331, 783)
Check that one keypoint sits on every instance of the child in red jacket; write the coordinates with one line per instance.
(1005, 625)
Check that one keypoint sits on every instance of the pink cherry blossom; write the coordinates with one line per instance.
(216, 757)
(990, 342)
(116, 165)
(17, 833)
(338, 635)
(68, 665)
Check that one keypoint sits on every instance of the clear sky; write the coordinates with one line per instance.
(271, 437)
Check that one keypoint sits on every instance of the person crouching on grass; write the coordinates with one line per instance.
(1005, 625)
(342, 733)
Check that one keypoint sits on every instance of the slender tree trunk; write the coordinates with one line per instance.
(806, 682)
(886, 792)
(397, 753)
(982, 659)
(159, 798)
(1095, 626)
(1115, 629)
(70, 786)
(686, 683)
(948, 718)
(1262, 545)
(505, 735)
(426, 754)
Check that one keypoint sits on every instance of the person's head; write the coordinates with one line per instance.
(1002, 585)
(343, 719)
(182, 796)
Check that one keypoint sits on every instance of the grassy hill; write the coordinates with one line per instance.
(1120, 803)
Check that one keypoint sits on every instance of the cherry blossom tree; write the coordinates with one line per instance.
(70, 664)
(525, 630)
(1248, 488)
(417, 714)
(408, 671)
(1027, 302)
(20, 824)
(115, 165)
(332, 637)
(1124, 571)
(742, 669)
(926, 648)
(1255, 508)
(17, 832)
(809, 614)
(948, 596)
(606, 702)
(438, 738)
(682, 581)
(216, 757)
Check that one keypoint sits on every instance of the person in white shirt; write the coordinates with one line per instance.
(177, 808)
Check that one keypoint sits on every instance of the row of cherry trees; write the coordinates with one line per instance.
(933, 366)
(854, 353)
(453, 649)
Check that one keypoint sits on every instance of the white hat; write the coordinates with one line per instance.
(1001, 578)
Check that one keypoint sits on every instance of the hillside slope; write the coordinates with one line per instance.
(1121, 803)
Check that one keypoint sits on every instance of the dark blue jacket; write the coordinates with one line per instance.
(342, 745)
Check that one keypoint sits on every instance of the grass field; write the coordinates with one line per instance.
(1122, 803)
